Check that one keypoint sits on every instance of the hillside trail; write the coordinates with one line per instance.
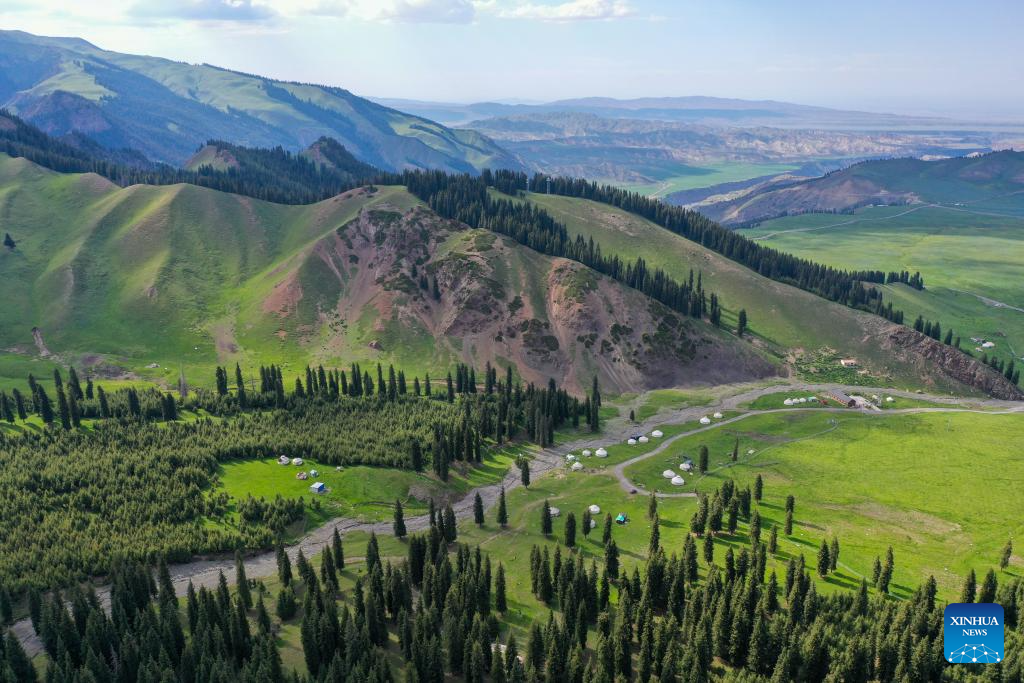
(206, 572)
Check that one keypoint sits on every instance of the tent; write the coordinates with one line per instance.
(678, 481)
(595, 509)
(717, 416)
(657, 434)
(577, 466)
(601, 453)
(314, 473)
(668, 474)
(750, 452)
(632, 442)
(283, 460)
(587, 453)
(686, 466)
(788, 402)
(643, 439)
(296, 461)
(888, 399)
(705, 420)
(302, 476)
(621, 518)
(555, 512)
(803, 400)
(318, 487)
(593, 524)
(812, 399)
(570, 457)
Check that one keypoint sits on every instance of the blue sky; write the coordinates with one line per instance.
(908, 56)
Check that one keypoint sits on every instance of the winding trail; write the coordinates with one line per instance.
(206, 572)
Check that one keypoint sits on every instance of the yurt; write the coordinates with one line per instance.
(678, 481)
(788, 402)
(705, 420)
(803, 400)
(587, 453)
(668, 474)
(717, 416)
(593, 523)
(686, 466)
(657, 434)
(888, 399)
(555, 512)
(570, 457)
(283, 460)
(632, 442)
(601, 453)
(643, 439)
(750, 452)
(595, 509)
(297, 461)
(577, 466)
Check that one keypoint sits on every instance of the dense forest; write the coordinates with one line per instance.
(439, 614)
(139, 481)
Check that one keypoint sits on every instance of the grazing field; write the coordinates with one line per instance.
(965, 254)
(941, 488)
(361, 492)
(686, 177)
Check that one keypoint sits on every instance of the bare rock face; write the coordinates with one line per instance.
(954, 364)
(497, 301)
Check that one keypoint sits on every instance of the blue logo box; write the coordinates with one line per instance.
(973, 633)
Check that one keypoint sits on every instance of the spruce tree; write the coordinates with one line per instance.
(242, 582)
(1004, 559)
(502, 509)
(702, 460)
(398, 525)
(478, 509)
(545, 518)
(500, 600)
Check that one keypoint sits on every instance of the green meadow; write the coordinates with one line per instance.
(687, 177)
(963, 253)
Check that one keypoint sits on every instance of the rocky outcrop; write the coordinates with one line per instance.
(953, 363)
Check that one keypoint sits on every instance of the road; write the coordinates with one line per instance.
(206, 572)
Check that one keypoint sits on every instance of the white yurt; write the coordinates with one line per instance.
(632, 442)
(643, 439)
(283, 460)
(717, 416)
(657, 434)
(750, 452)
(803, 400)
(888, 399)
(788, 402)
(668, 474)
(601, 453)
(705, 420)
(593, 524)
(587, 453)
(686, 466)
(678, 481)
(297, 461)
(595, 509)
(555, 512)
(577, 466)
(570, 457)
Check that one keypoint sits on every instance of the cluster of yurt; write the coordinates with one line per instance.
(798, 401)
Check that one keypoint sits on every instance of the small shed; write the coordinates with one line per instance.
(841, 398)
(657, 434)
(621, 518)
(318, 487)
(668, 474)
(601, 453)
(595, 509)
(678, 481)
(577, 466)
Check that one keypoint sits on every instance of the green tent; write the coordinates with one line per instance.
(621, 519)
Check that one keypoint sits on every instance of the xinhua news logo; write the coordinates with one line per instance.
(973, 633)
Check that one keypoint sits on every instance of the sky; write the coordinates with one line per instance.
(903, 56)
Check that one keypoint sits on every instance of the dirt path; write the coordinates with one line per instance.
(206, 572)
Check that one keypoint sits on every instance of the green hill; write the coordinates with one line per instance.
(144, 278)
(810, 333)
(167, 109)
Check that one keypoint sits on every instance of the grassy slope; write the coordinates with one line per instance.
(692, 177)
(157, 270)
(954, 249)
(784, 316)
(875, 459)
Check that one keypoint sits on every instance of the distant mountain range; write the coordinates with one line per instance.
(692, 109)
(166, 110)
(958, 180)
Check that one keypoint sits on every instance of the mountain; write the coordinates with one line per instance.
(145, 278)
(166, 110)
(886, 182)
(693, 109)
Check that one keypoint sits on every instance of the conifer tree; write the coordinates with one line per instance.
(588, 519)
(967, 594)
(398, 525)
(545, 518)
(524, 472)
(478, 509)
(242, 582)
(570, 530)
(652, 506)
(500, 600)
(702, 460)
(502, 509)
(1004, 559)
(823, 560)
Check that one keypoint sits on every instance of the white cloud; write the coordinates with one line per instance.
(202, 10)
(573, 10)
(428, 11)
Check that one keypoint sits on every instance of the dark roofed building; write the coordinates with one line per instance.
(841, 398)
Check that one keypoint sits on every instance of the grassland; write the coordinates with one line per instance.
(964, 253)
(687, 177)
(938, 487)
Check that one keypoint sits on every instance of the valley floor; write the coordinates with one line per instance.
(615, 481)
